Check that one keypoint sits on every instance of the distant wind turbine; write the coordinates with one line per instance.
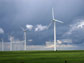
(54, 21)
(25, 38)
(11, 43)
(2, 45)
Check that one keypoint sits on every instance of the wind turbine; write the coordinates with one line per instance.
(11, 42)
(2, 45)
(54, 21)
(25, 38)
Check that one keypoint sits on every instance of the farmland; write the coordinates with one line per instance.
(42, 57)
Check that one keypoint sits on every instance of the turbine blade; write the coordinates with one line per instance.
(50, 24)
(59, 21)
(22, 28)
(52, 13)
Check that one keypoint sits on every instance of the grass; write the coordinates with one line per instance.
(42, 57)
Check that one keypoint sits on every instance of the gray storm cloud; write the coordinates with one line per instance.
(76, 31)
(21, 12)
(78, 25)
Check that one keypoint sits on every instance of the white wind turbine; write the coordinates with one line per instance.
(11, 42)
(25, 38)
(2, 45)
(54, 20)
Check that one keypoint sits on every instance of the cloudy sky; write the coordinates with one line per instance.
(35, 15)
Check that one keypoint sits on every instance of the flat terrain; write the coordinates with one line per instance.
(42, 57)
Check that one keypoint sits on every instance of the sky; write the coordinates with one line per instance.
(36, 15)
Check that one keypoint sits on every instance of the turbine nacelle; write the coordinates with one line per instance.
(25, 30)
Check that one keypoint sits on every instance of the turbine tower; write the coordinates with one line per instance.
(11, 42)
(25, 38)
(54, 20)
(2, 45)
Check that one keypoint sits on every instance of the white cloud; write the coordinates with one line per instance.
(59, 41)
(59, 44)
(29, 27)
(76, 26)
(66, 45)
(40, 27)
(81, 24)
(1, 31)
(67, 40)
(62, 45)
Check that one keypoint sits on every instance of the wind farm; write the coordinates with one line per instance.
(41, 31)
(25, 35)
(36, 56)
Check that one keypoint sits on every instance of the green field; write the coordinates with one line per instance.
(42, 57)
